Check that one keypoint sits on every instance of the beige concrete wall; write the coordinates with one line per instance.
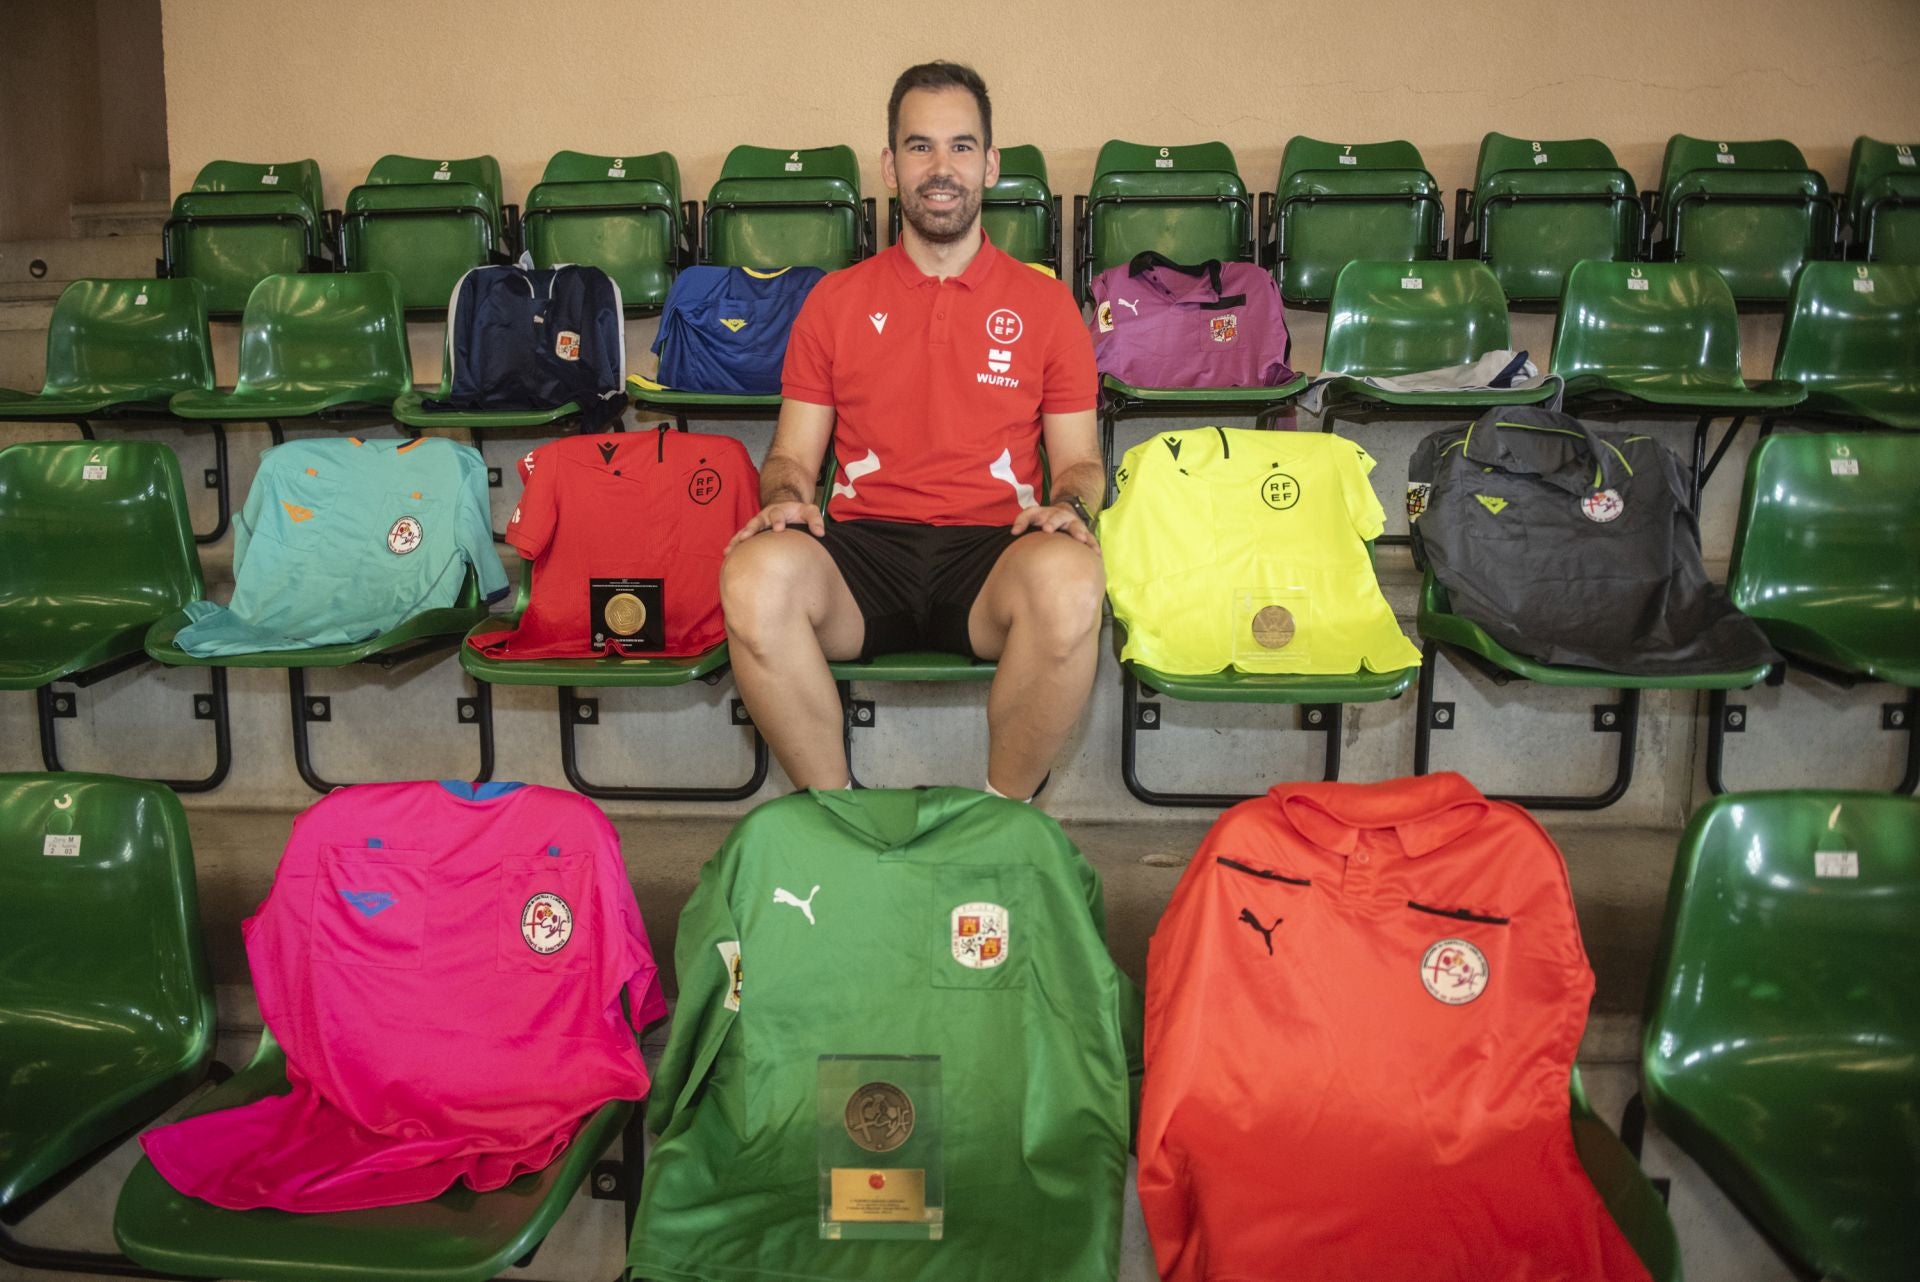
(349, 80)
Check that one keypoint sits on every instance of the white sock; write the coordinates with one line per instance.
(995, 792)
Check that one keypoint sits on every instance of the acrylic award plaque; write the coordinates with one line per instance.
(880, 1147)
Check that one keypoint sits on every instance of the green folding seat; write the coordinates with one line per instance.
(106, 1006)
(409, 408)
(621, 214)
(94, 547)
(1630, 1197)
(241, 222)
(1539, 207)
(426, 221)
(1752, 211)
(1337, 202)
(1824, 560)
(119, 347)
(1778, 1050)
(1852, 339)
(1020, 212)
(312, 345)
(772, 208)
(1883, 201)
(460, 1236)
(568, 676)
(1389, 319)
(1187, 203)
(1663, 337)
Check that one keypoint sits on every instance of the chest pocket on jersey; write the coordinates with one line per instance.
(302, 503)
(370, 906)
(545, 911)
(983, 925)
(1263, 898)
(409, 521)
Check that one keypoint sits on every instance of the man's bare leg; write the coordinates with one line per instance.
(1038, 614)
(788, 610)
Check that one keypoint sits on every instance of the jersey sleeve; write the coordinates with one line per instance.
(538, 511)
(1363, 506)
(706, 957)
(476, 530)
(808, 372)
(1072, 382)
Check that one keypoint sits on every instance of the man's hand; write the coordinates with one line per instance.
(1059, 518)
(778, 516)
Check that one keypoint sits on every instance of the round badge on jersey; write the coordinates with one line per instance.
(546, 923)
(1603, 506)
(1454, 972)
(405, 536)
(1004, 326)
(980, 938)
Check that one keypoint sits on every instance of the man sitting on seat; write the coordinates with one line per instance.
(935, 368)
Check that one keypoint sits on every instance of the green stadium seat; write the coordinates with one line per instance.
(106, 1005)
(1850, 338)
(409, 408)
(1440, 627)
(622, 214)
(429, 632)
(314, 345)
(240, 223)
(1784, 1009)
(1020, 213)
(1883, 201)
(460, 1236)
(772, 208)
(1824, 561)
(568, 676)
(1187, 203)
(1337, 202)
(1752, 211)
(427, 222)
(122, 348)
(94, 547)
(1630, 1197)
(1661, 337)
(1537, 208)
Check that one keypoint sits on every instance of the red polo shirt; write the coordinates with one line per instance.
(937, 386)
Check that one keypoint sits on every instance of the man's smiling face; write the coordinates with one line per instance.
(940, 163)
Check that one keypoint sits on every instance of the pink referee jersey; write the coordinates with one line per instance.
(444, 965)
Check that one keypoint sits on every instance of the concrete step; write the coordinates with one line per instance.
(118, 218)
(50, 264)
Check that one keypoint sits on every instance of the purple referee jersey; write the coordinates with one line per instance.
(1163, 324)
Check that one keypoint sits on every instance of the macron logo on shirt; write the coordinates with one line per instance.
(369, 903)
(879, 320)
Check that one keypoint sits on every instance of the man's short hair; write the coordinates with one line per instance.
(940, 75)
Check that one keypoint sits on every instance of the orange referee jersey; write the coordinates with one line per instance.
(1363, 1005)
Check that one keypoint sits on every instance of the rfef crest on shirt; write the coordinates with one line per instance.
(980, 935)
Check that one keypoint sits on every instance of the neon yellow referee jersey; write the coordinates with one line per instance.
(1243, 549)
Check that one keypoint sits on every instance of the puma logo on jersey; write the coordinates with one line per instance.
(1131, 305)
(296, 513)
(736, 325)
(790, 900)
(1492, 504)
(1266, 932)
(855, 470)
(879, 320)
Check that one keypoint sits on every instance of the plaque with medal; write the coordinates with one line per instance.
(1271, 630)
(629, 614)
(880, 1147)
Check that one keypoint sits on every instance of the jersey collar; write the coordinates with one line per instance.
(1558, 448)
(973, 278)
(1425, 812)
(893, 817)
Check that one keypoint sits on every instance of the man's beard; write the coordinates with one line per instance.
(942, 226)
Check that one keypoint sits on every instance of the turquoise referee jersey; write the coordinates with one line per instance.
(343, 539)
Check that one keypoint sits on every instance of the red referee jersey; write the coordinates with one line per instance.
(1363, 1005)
(938, 386)
(625, 532)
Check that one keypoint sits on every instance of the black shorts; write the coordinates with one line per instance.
(915, 584)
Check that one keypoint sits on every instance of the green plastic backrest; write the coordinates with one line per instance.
(1832, 550)
(638, 250)
(90, 523)
(1398, 216)
(1146, 197)
(1016, 223)
(108, 936)
(805, 162)
(1785, 1009)
(1687, 155)
(1877, 171)
(480, 171)
(582, 167)
(1400, 318)
(1023, 161)
(1500, 153)
(1684, 320)
(1192, 169)
(145, 339)
(295, 177)
(344, 328)
(1310, 162)
(1837, 332)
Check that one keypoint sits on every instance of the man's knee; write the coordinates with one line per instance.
(1059, 591)
(764, 584)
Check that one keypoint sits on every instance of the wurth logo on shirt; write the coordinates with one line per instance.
(999, 360)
